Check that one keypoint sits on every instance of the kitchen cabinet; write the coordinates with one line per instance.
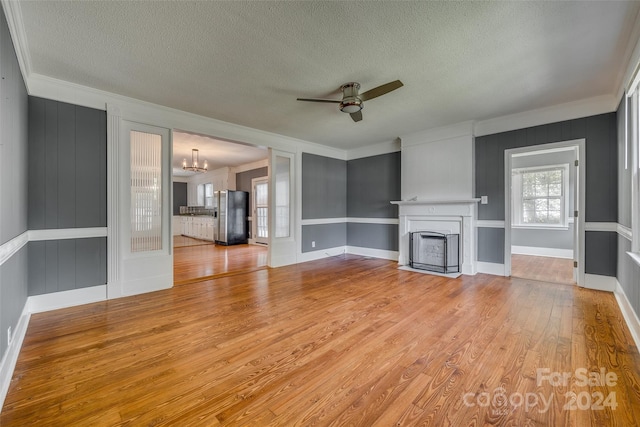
(198, 227)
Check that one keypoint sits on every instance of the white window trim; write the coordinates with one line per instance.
(517, 199)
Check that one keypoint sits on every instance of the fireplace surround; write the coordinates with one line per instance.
(441, 216)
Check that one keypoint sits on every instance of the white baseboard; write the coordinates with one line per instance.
(374, 253)
(490, 268)
(10, 358)
(600, 283)
(64, 299)
(628, 313)
(548, 252)
(322, 253)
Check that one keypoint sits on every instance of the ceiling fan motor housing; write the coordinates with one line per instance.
(351, 103)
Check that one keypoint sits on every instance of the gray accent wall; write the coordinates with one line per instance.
(13, 294)
(360, 188)
(374, 236)
(601, 164)
(627, 271)
(63, 265)
(67, 177)
(372, 182)
(243, 182)
(179, 196)
(326, 236)
(13, 184)
(67, 189)
(324, 187)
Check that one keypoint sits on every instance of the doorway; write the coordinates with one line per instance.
(544, 196)
(260, 211)
(222, 167)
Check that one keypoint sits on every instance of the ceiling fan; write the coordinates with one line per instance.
(352, 102)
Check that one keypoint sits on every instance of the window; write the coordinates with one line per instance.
(539, 196)
(146, 191)
(200, 195)
(208, 196)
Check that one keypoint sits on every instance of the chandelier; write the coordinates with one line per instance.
(195, 166)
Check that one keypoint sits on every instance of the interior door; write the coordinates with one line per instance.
(145, 203)
(282, 240)
(260, 221)
(576, 228)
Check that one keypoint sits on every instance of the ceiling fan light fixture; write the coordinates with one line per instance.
(351, 105)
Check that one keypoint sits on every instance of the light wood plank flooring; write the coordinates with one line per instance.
(340, 341)
(196, 262)
(546, 269)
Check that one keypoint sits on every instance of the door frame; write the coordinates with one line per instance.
(254, 217)
(579, 222)
(134, 273)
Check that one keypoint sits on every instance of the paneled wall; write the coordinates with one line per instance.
(347, 202)
(372, 182)
(627, 271)
(67, 190)
(13, 187)
(324, 197)
(601, 182)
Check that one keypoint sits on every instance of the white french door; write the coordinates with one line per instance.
(145, 208)
(282, 240)
(260, 212)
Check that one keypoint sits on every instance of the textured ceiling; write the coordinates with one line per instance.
(246, 62)
(217, 153)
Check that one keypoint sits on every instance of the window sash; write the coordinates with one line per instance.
(541, 202)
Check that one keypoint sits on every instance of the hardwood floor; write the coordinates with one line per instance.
(198, 262)
(546, 269)
(340, 341)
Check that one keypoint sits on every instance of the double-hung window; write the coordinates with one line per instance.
(539, 196)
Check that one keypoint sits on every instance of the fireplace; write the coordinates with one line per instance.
(432, 251)
(444, 217)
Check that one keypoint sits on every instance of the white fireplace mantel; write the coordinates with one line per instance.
(455, 216)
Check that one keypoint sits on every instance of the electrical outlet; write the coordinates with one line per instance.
(9, 336)
(484, 200)
(313, 243)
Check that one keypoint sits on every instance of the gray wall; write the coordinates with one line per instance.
(13, 184)
(547, 237)
(324, 195)
(627, 271)
(324, 187)
(67, 154)
(359, 188)
(179, 196)
(601, 175)
(372, 182)
(243, 182)
(67, 189)
(62, 265)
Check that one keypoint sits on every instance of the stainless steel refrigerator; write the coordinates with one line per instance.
(230, 217)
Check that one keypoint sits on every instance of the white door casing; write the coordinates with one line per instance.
(138, 267)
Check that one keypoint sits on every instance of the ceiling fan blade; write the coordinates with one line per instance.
(380, 90)
(334, 101)
(357, 116)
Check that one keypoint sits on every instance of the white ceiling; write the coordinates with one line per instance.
(216, 152)
(245, 62)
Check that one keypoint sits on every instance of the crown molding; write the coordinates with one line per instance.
(374, 150)
(440, 133)
(556, 113)
(631, 57)
(13, 13)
